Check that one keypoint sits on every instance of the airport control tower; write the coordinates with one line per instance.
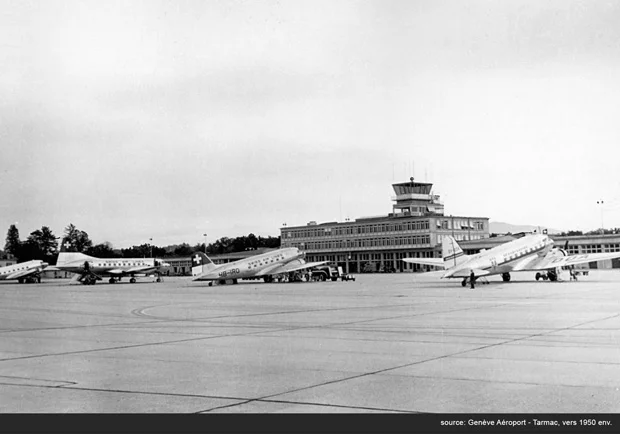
(415, 199)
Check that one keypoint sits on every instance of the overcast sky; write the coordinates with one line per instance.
(169, 119)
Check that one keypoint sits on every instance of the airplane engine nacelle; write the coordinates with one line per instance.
(557, 253)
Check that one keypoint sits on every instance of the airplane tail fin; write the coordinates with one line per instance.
(201, 264)
(451, 252)
(68, 254)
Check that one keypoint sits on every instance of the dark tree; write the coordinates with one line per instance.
(252, 242)
(103, 250)
(45, 240)
(159, 252)
(78, 239)
(41, 244)
(29, 250)
(183, 250)
(13, 243)
(239, 244)
(141, 251)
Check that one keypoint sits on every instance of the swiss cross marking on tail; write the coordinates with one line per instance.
(67, 245)
(198, 259)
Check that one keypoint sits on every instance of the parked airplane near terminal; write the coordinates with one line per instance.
(28, 272)
(533, 252)
(265, 265)
(90, 269)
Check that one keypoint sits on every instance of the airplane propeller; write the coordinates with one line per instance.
(563, 250)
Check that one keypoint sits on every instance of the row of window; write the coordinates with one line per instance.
(461, 237)
(370, 242)
(593, 248)
(13, 270)
(422, 225)
(118, 264)
(376, 257)
(460, 224)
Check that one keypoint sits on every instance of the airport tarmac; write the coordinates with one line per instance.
(384, 343)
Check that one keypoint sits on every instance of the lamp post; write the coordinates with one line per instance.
(205, 235)
(151, 245)
(601, 202)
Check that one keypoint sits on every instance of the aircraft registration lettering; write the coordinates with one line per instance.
(229, 272)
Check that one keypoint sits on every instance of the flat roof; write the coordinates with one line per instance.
(387, 217)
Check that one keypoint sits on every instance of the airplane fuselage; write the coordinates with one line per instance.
(36, 266)
(111, 266)
(504, 258)
(254, 266)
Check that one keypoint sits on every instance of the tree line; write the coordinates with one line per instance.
(43, 244)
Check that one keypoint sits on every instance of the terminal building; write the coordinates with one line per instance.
(414, 228)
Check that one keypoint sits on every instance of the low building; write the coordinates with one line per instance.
(7, 262)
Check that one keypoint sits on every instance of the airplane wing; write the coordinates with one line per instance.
(295, 265)
(140, 269)
(22, 273)
(465, 272)
(546, 263)
(435, 262)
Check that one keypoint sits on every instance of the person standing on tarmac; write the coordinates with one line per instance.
(472, 278)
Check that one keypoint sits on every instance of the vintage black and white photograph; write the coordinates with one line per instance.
(310, 206)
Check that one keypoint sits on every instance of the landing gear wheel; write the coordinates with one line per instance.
(506, 277)
(464, 283)
(112, 280)
(158, 280)
(89, 280)
(132, 280)
(538, 276)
